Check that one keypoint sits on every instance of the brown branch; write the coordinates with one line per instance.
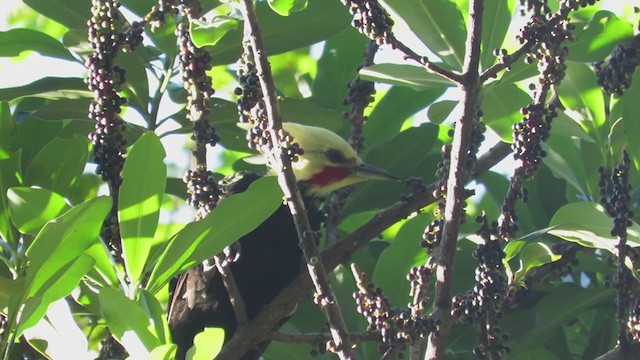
(318, 338)
(235, 298)
(509, 60)
(246, 337)
(424, 61)
(287, 181)
(454, 208)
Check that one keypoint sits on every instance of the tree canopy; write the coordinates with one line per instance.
(468, 257)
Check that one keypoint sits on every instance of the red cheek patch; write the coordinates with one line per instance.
(330, 174)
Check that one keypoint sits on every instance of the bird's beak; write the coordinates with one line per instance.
(367, 171)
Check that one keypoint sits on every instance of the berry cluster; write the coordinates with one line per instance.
(194, 63)
(615, 76)
(483, 304)
(371, 19)
(361, 94)
(109, 144)
(203, 191)
(419, 277)
(133, 36)
(157, 16)
(615, 197)
(398, 327)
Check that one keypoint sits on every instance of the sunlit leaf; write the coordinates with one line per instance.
(286, 7)
(139, 201)
(597, 38)
(50, 88)
(202, 239)
(32, 208)
(15, 41)
(415, 77)
(206, 345)
(210, 32)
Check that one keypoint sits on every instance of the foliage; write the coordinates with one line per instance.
(559, 265)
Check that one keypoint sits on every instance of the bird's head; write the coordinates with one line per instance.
(328, 162)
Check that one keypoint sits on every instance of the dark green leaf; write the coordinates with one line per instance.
(495, 23)
(398, 258)
(56, 287)
(415, 77)
(202, 239)
(206, 345)
(7, 130)
(580, 93)
(59, 164)
(124, 316)
(286, 7)
(397, 105)
(630, 110)
(501, 108)
(437, 23)
(439, 112)
(136, 88)
(208, 33)
(597, 38)
(70, 13)
(64, 109)
(63, 240)
(533, 255)
(300, 29)
(32, 208)
(139, 201)
(49, 87)
(337, 67)
(15, 41)
(414, 152)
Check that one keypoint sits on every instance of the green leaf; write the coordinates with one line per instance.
(596, 38)
(286, 7)
(206, 345)
(630, 110)
(587, 224)
(415, 77)
(208, 33)
(202, 239)
(139, 201)
(15, 41)
(158, 316)
(439, 24)
(583, 99)
(495, 23)
(397, 259)
(64, 109)
(414, 152)
(7, 130)
(48, 87)
(533, 255)
(300, 29)
(164, 352)
(552, 311)
(9, 177)
(63, 240)
(105, 267)
(397, 105)
(32, 208)
(56, 287)
(59, 164)
(136, 88)
(70, 13)
(501, 108)
(439, 112)
(128, 323)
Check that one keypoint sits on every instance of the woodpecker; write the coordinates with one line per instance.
(269, 256)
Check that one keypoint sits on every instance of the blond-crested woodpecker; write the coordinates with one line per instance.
(269, 256)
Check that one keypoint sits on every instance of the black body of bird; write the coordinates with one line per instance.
(270, 259)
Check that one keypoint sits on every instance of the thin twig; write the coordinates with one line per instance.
(235, 298)
(317, 338)
(291, 191)
(454, 207)
(424, 61)
(282, 305)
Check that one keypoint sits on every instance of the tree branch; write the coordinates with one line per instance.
(454, 209)
(286, 179)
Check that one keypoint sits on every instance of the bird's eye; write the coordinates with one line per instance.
(335, 156)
